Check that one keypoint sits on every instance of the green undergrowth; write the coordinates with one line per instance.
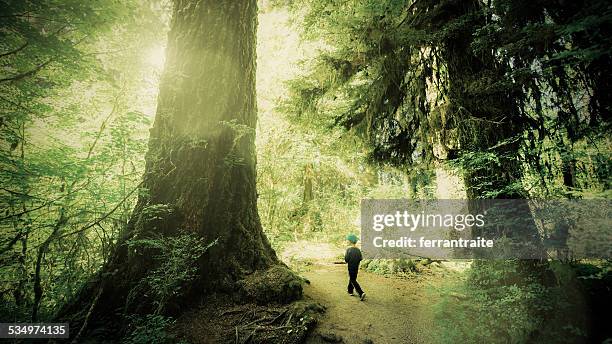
(151, 329)
(521, 309)
(401, 267)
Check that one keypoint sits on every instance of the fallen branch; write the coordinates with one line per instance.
(16, 50)
(93, 304)
(105, 216)
(26, 74)
(277, 317)
(246, 340)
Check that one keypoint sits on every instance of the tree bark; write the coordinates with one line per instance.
(489, 123)
(201, 158)
(308, 195)
(200, 167)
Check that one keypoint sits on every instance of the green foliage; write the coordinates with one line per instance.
(177, 266)
(290, 164)
(150, 329)
(312, 172)
(398, 267)
(510, 92)
(299, 157)
(156, 212)
(480, 163)
(425, 80)
(74, 112)
(505, 307)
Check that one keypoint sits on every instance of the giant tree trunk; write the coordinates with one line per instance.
(486, 117)
(200, 167)
(201, 159)
(489, 124)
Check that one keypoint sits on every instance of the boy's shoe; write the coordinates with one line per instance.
(362, 297)
(351, 294)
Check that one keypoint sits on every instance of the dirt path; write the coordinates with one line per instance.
(395, 310)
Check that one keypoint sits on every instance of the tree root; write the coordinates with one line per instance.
(252, 323)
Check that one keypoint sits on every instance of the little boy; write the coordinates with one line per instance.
(353, 258)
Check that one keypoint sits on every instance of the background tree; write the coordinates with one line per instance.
(483, 87)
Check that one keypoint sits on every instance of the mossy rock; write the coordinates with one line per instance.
(277, 284)
(307, 308)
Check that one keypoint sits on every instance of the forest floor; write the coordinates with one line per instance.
(396, 309)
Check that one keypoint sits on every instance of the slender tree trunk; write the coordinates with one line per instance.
(308, 195)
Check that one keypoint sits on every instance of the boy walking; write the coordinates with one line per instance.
(353, 258)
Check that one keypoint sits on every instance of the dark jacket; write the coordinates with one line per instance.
(352, 258)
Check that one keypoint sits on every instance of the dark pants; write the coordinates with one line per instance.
(353, 282)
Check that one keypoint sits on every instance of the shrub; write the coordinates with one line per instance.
(150, 329)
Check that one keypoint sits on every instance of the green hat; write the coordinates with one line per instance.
(352, 238)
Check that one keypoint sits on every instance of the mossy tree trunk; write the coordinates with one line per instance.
(489, 126)
(201, 161)
(200, 168)
(486, 117)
